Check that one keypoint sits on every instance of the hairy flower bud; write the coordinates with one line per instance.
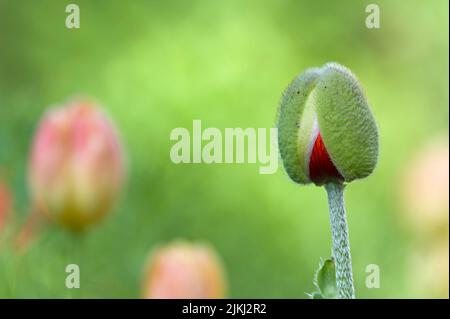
(76, 167)
(326, 131)
(183, 270)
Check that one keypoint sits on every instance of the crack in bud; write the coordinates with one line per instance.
(321, 168)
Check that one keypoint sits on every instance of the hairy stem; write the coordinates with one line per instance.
(341, 244)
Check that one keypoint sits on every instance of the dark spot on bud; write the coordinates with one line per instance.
(321, 168)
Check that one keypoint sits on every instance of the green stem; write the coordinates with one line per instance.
(341, 244)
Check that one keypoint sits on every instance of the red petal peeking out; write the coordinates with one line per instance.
(321, 168)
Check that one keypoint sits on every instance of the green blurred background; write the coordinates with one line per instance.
(159, 65)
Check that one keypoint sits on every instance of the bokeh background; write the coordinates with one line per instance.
(159, 65)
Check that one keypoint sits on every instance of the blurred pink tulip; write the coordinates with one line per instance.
(425, 187)
(183, 270)
(5, 204)
(76, 168)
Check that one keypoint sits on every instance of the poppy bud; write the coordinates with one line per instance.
(76, 167)
(183, 270)
(326, 130)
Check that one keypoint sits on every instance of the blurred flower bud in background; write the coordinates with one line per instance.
(5, 204)
(184, 270)
(425, 199)
(425, 187)
(76, 168)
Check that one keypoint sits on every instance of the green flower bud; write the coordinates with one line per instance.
(326, 130)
